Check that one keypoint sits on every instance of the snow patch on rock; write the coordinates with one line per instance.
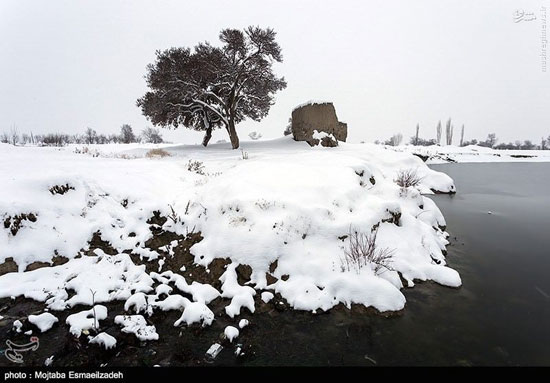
(44, 321)
(137, 325)
(231, 333)
(103, 339)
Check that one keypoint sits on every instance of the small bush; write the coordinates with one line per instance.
(363, 251)
(407, 178)
(157, 153)
(196, 167)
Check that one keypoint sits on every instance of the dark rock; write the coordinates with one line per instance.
(243, 273)
(157, 219)
(270, 279)
(9, 266)
(60, 189)
(421, 156)
(59, 260)
(273, 266)
(14, 223)
(98, 243)
(36, 265)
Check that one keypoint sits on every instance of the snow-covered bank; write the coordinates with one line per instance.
(280, 207)
(444, 154)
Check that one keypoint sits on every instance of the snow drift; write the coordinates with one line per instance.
(284, 209)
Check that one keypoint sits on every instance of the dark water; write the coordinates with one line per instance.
(501, 314)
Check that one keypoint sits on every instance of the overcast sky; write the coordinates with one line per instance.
(386, 65)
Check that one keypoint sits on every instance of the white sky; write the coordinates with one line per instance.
(386, 65)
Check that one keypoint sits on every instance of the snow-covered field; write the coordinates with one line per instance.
(473, 153)
(279, 206)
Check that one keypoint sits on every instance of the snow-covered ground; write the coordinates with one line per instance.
(472, 153)
(279, 206)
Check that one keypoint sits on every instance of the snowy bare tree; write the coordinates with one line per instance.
(90, 136)
(395, 140)
(491, 140)
(212, 87)
(438, 133)
(462, 136)
(127, 134)
(114, 138)
(54, 139)
(449, 132)
(416, 135)
(14, 135)
(151, 135)
(102, 139)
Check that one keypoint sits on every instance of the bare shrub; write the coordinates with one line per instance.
(96, 323)
(55, 139)
(151, 135)
(174, 215)
(196, 167)
(363, 251)
(157, 153)
(407, 178)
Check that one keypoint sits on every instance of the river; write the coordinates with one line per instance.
(499, 223)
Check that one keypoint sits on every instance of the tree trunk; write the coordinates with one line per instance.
(233, 134)
(207, 137)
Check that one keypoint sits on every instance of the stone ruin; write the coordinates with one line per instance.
(319, 116)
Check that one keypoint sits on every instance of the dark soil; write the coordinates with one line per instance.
(177, 346)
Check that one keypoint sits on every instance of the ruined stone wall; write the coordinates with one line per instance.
(321, 117)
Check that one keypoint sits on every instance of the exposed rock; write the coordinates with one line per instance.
(61, 189)
(326, 141)
(421, 156)
(9, 266)
(322, 118)
(37, 265)
(243, 273)
(98, 243)
(15, 223)
(270, 279)
(273, 266)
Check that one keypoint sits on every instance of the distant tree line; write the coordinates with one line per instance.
(90, 136)
(489, 142)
